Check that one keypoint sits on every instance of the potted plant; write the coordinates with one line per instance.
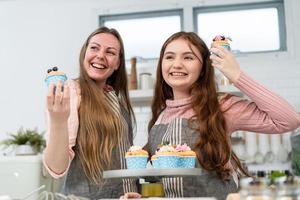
(26, 142)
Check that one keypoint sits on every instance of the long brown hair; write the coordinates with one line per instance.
(99, 128)
(213, 146)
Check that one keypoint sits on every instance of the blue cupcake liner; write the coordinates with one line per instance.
(167, 161)
(155, 164)
(136, 162)
(55, 78)
(226, 46)
(187, 161)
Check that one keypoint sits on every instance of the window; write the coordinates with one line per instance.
(255, 27)
(144, 33)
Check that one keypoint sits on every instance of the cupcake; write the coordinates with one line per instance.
(167, 157)
(223, 41)
(53, 76)
(136, 158)
(187, 157)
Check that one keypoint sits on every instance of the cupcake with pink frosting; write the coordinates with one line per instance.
(221, 40)
(187, 157)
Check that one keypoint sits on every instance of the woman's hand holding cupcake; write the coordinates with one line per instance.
(58, 103)
(223, 59)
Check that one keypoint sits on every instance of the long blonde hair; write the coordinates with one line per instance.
(99, 128)
(213, 145)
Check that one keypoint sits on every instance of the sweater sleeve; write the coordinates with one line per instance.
(265, 112)
(73, 125)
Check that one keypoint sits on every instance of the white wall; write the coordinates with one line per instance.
(37, 34)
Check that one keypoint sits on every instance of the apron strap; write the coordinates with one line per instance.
(160, 117)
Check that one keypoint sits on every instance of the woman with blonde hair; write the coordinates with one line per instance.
(90, 121)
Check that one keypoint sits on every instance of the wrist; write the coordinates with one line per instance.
(236, 77)
(59, 125)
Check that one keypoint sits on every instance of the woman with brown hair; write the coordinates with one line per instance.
(188, 109)
(89, 121)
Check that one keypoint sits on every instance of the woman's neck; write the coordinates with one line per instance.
(180, 94)
(100, 85)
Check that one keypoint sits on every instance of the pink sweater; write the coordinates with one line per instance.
(265, 113)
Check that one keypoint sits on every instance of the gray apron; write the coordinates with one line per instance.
(206, 185)
(78, 184)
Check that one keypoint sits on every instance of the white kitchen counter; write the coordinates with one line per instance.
(23, 159)
(184, 198)
(20, 175)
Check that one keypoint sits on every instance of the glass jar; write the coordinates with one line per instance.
(146, 81)
(287, 188)
(255, 189)
(152, 190)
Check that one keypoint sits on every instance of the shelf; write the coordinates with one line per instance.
(140, 173)
(269, 166)
(146, 96)
(21, 159)
(141, 95)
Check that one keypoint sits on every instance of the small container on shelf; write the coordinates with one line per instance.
(152, 190)
(133, 75)
(146, 81)
(255, 188)
(287, 187)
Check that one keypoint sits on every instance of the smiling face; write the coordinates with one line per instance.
(102, 57)
(181, 67)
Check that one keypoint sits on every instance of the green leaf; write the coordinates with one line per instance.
(29, 136)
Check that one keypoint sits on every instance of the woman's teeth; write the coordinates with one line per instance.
(177, 74)
(98, 66)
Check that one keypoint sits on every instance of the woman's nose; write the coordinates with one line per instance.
(100, 54)
(177, 63)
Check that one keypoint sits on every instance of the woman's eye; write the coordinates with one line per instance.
(168, 57)
(94, 48)
(111, 53)
(188, 58)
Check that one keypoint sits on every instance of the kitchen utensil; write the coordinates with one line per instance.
(258, 156)
(270, 156)
(246, 155)
(282, 154)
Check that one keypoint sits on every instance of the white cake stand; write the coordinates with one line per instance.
(142, 173)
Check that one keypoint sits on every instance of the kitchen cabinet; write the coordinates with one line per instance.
(20, 175)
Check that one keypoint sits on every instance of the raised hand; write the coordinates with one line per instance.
(224, 60)
(58, 102)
